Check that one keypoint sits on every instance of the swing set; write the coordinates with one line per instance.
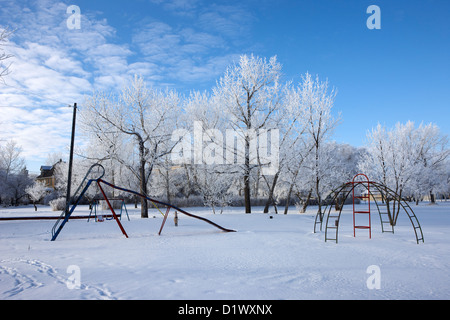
(99, 217)
(95, 175)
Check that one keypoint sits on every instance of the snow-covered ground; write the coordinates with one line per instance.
(279, 258)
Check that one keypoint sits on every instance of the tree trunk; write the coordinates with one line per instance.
(305, 204)
(143, 181)
(288, 199)
(167, 177)
(432, 197)
(248, 207)
(271, 191)
(319, 199)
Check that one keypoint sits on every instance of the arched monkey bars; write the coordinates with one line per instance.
(389, 207)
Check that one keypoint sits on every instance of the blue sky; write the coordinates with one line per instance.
(398, 73)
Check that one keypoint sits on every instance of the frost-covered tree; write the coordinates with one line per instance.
(143, 117)
(431, 149)
(10, 158)
(390, 159)
(292, 148)
(207, 171)
(13, 174)
(79, 170)
(294, 176)
(5, 33)
(17, 184)
(446, 181)
(407, 159)
(316, 102)
(374, 162)
(249, 92)
(36, 192)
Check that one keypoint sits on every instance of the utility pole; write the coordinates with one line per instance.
(69, 177)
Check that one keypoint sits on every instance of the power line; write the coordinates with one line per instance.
(37, 94)
(28, 107)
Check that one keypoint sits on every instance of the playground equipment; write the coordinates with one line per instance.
(98, 171)
(388, 204)
(96, 203)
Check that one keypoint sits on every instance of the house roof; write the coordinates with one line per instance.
(47, 171)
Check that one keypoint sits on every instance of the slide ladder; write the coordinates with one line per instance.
(65, 215)
(79, 193)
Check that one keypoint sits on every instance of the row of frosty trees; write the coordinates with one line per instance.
(179, 148)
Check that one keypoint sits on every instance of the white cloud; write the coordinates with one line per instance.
(179, 7)
(54, 66)
(38, 131)
(192, 54)
(33, 78)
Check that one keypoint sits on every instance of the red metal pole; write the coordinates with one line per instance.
(353, 200)
(368, 201)
(112, 210)
(164, 220)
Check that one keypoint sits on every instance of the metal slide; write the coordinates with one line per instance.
(86, 183)
(79, 193)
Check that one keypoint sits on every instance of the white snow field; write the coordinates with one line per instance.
(266, 259)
